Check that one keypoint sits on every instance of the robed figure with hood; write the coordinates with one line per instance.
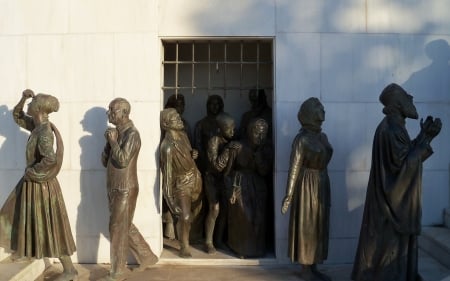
(387, 248)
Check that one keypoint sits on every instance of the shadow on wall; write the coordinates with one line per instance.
(12, 151)
(93, 208)
(432, 83)
(430, 87)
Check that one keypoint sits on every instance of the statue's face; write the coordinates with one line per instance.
(115, 113)
(33, 108)
(179, 106)
(253, 98)
(320, 114)
(227, 129)
(407, 107)
(174, 122)
(214, 106)
(257, 135)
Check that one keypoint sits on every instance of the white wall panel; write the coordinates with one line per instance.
(137, 66)
(12, 66)
(113, 16)
(403, 16)
(321, 16)
(28, 16)
(217, 18)
(297, 66)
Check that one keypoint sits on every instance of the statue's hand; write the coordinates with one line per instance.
(286, 203)
(430, 129)
(27, 94)
(111, 134)
(435, 128)
(424, 125)
(234, 145)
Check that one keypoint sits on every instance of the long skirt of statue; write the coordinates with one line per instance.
(246, 213)
(34, 221)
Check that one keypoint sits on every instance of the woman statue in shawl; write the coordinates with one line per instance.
(246, 183)
(34, 222)
(308, 190)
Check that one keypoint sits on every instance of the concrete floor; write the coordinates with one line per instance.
(165, 270)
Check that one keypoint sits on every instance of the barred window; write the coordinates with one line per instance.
(217, 66)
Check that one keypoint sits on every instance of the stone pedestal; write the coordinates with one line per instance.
(447, 217)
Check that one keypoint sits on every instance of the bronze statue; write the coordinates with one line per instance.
(219, 152)
(33, 220)
(248, 190)
(259, 109)
(308, 189)
(120, 159)
(206, 128)
(181, 179)
(387, 248)
(177, 102)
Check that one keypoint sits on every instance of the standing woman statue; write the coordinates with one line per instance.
(246, 183)
(34, 222)
(308, 189)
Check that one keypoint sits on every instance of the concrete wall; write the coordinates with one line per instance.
(88, 52)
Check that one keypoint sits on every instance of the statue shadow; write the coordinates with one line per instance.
(432, 82)
(12, 154)
(93, 211)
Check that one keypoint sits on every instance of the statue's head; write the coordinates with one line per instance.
(257, 131)
(311, 113)
(118, 111)
(170, 120)
(397, 101)
(257, 98)
(43, 104)
(226, 125)
(177, 102)
(214, 105)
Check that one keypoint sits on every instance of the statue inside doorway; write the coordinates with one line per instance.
(220, 150)
(308, 190)
(387, 248)
(248, 191)
(181, 180)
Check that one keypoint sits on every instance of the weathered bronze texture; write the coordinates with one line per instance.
(33, 220)
(219, 150)
(181, 183)
(308, 190)
(387, 248)
(120, 159)
(176, 101)
(247, 191)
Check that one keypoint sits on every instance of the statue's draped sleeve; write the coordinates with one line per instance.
(166, 167)
(295, 164)
(396, 178)
(23, 120)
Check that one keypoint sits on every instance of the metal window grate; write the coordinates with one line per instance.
(217, 66)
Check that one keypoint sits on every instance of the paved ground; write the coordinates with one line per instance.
(430, 269)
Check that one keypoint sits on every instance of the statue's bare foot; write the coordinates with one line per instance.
(185, 253)
(209, 248)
